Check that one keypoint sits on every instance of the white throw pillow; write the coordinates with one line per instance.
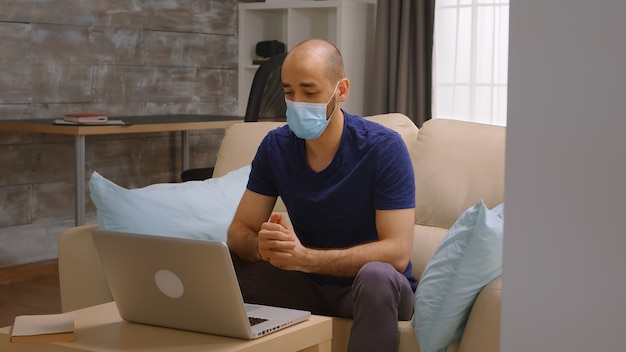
(193, 209)
(468, 258)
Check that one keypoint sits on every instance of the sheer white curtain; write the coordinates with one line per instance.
(470, 60)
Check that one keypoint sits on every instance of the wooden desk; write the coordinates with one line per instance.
(134, 124)
(100, 328)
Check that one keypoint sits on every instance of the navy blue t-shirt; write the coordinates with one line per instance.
(335, 208)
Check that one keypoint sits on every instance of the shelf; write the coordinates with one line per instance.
(349, 24)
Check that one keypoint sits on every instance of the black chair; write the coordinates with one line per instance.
(266, 102)
(267, 98)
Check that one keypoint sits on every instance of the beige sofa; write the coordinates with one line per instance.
(456, 164)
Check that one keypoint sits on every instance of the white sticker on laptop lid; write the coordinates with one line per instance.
(169, 284)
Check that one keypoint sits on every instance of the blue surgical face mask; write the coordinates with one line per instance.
(308, 120)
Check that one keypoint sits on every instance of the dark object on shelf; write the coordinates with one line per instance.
(269, 48)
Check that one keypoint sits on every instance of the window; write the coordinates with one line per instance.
(470, 60)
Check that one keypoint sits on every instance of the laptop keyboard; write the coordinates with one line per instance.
(254, 321)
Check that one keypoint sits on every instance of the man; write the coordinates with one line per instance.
(349, 190)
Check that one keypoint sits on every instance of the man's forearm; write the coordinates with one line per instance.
(244, 243)
(347, 262)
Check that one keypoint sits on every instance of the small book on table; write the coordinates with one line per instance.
(43, 328)
(86, 118)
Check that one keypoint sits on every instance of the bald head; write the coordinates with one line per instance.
(318, 53)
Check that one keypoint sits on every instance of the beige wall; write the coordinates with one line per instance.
(130, 57)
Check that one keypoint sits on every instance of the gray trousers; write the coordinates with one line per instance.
(378, 298)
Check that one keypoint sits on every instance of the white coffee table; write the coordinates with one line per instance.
(100, 328)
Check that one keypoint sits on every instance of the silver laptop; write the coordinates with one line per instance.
(183, 284)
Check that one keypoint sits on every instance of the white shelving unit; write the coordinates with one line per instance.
(349, 24)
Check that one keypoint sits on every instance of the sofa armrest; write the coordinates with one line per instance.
(81, 278)
(482, 332)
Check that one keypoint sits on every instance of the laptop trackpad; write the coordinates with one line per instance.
(251, 307)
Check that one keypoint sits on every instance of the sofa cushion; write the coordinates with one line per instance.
(426, 239)
(242, 140)
(469, 257)
(193, 209)
(458, 163)
(239, 145)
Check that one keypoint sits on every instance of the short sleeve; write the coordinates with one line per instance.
(395, 182)
(261, 174)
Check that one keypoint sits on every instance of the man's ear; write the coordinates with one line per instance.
(343, 89)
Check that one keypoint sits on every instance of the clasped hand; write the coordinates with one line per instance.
(279, 245)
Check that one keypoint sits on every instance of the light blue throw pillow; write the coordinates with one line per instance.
(193, 209)
(468, 258)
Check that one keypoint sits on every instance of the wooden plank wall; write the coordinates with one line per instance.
(118, 57)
